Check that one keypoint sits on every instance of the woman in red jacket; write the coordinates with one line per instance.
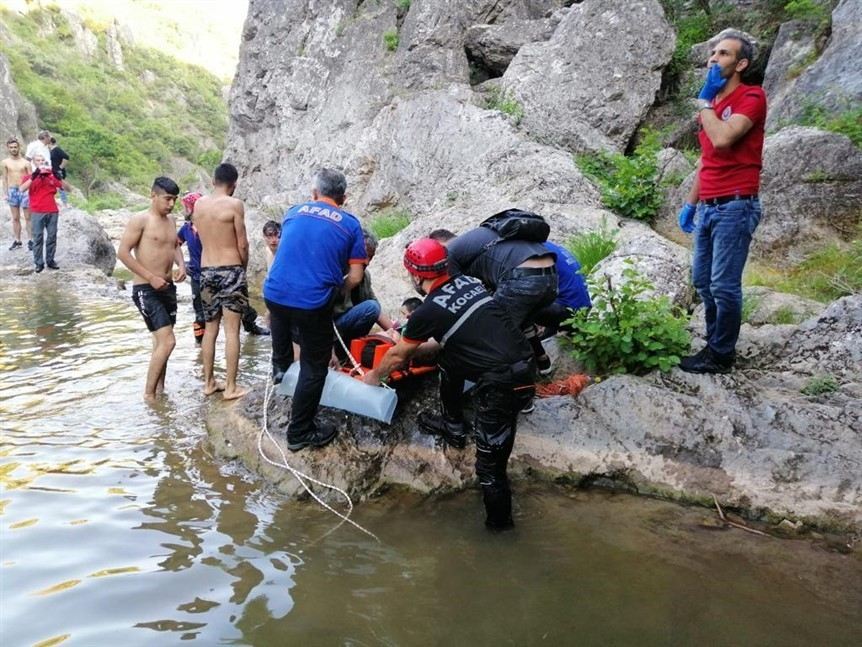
(43, 185)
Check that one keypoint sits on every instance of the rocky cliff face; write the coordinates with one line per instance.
(318, 86)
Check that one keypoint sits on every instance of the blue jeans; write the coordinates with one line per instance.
(721, 244)
(357, 321)
(42, 222)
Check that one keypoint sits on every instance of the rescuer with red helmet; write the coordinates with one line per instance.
(476, 342)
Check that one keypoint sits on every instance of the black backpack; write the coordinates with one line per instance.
(515, 224)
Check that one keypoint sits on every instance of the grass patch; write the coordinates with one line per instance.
(627, 183)
(390, 39)
(750, 303)
(121, 125)
(592, 246)
(388, 223)
(828, 274)
(784, 315)
(499, 99)
(820, 384)
(403, 5)
(99, 201)
(845, 121)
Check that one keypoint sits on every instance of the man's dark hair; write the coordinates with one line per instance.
(411, 304)
(330, 183)
(441, 235)
(271, 227)
(164, 184)
(225, 174)
(12, 140)
(53, 140)
(746, 47)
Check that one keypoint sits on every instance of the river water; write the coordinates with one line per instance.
(119, 527)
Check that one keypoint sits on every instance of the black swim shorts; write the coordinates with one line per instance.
(223, 287)
(157, 307)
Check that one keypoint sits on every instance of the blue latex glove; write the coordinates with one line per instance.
(713, 84)
(686, 218)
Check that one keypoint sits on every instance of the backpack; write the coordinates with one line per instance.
(515, 224)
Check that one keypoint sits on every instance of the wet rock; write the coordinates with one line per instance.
(583, 89)
(832, 82)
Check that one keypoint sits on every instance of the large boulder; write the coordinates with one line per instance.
(794, 48)
(833, 82)
(81, 243)
(592, 83)
(810, 190)
(492, 47)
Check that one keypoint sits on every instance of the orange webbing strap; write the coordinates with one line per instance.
(571, 385)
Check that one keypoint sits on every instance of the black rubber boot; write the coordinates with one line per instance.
(498, 507)
(452, 431)
(321, 435)
(707, 361)
(254, 329)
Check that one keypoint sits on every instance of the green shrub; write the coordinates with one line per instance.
(846, 121)
(98, 202)
(626, 332)
(808, 10)
(820, 384)
(628, 184)
(390, 39)
(499, 99)
(403, 5)
(592, 246)
(388, 223)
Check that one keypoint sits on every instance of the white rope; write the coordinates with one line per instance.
(345, 517)
(356, 365)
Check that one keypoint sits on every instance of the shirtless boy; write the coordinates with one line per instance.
(15, 168)
(220, 221)
(152, 235)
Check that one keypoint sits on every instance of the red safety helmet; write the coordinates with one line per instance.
(426, 258)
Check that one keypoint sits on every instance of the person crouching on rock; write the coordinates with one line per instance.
(43, 185)
(477, 342)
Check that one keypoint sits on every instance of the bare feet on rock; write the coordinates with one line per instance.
(215, 387)
(235, 393)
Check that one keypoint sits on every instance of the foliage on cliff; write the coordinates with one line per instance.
(155, 115)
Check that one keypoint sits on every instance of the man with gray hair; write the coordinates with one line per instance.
(723, 209)
(359, 310)
(39, 146)
(319, 239)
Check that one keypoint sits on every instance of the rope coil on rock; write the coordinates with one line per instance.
(302, 478)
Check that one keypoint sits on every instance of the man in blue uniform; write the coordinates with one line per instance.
(479, 343)
(318, 240)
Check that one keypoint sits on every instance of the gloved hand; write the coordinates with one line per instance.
(686, 218)
(713, 84)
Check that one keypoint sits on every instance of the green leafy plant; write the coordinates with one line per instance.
(820, 384)
(845, 121)
(390, 39)
(809, 10)
(627, 331)
(403, 5)
(499, 99)
(628, 184)
(389, 222)
(592, 246)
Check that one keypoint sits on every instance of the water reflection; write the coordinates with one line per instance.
(118, 526)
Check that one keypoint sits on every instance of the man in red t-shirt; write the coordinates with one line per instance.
(43, 185)
(731, 116)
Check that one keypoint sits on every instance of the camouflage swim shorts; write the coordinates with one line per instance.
(223, 287)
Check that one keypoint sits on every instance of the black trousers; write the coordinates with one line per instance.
(312, 330)
(500, 396)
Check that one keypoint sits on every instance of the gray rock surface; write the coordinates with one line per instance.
(833, 81)
(584, 89)
(794, 48)
(811, 190)
(17, 116)
(81, 243)
(493, 47)
(751, 438)
(766, 306)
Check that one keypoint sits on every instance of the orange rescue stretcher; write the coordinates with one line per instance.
(368, 351)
